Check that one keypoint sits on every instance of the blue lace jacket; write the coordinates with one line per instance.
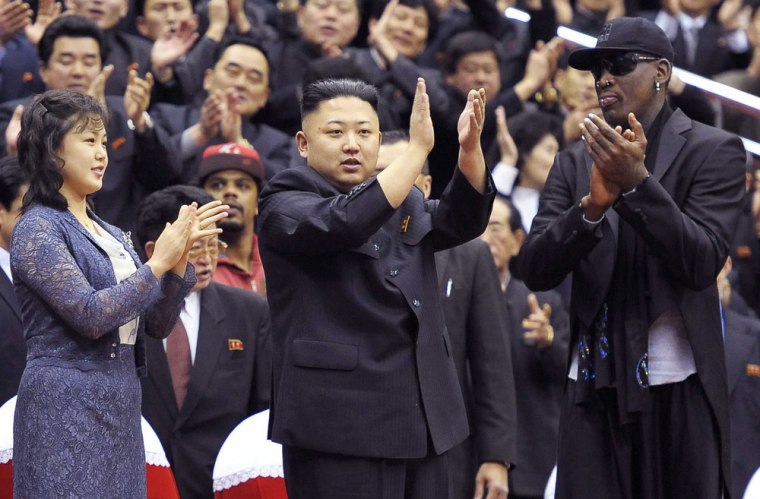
(71, 306)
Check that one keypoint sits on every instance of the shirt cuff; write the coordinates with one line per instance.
(504, 177)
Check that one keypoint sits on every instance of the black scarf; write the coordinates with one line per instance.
(613, 353)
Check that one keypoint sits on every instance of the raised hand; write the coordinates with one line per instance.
(97, 88)
(47, 12)
(538, 328)
(378, 38)
(137, 97)
(14, 16)
(507, 146)
(171, 46)
(211, 116)
(218, 19)
(231, 123)
(471, 120)
(421, 124)
(618, 155)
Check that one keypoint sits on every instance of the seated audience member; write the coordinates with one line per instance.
(703, 43)
(473, 312)
(13, 186)
(237, 88)
(140, 156)
(214, 369)
(523, 168)
(399, 31)
(312, 29)
(472, 61)
(742, 341)
(234, 175)
(538, 334)
(179, 54)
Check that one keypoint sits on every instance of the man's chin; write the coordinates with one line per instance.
(231, 226)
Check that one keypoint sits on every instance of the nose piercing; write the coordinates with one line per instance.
(605, 85)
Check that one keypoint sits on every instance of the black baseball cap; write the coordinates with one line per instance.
(624, 34)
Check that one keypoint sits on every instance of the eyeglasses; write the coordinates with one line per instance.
(213, 248)
(620, 65)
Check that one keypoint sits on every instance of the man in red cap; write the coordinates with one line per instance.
(235, 173)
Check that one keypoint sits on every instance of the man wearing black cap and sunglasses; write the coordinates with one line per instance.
(641, 211)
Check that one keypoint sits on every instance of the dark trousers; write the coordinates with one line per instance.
(670, 451)
(319, 475)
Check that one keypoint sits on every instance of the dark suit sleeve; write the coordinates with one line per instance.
(262, 370)
(404, 73)
(693, 240)
(157, 163)
(490, 361)
(559, 238)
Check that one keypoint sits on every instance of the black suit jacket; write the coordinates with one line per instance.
(12, 341)
(226, 385)
(470, 294)
(363, 364)
(539, 381)
(743, 364)
(685, 213)
(138, 163)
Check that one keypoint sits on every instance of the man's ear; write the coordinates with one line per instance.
(149, 247)
(302, 144)
(520, 238)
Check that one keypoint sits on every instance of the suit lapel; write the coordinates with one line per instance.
(207, 350)
(9, 295)
(159, 374)
(671, 142)
(441, 264)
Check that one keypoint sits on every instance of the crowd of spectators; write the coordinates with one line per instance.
(179, 77)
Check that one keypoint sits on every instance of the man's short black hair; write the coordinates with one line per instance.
(11, 180)
(515, 219)
(431, 9)
(73, 26)
(163, 206)
(249, 41)
(324, 90)
(469, 42)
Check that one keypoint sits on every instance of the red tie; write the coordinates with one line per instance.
(178, 355)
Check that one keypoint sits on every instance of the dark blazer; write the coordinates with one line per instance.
(743, 364)
(12, 342)
(539, 381)
(471, 298)
(363, 363)
(685, 213)
(226, 385)
(138, 163)
(277, 150)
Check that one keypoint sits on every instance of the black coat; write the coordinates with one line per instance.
(685, 213)
(363, 364)
(12, 341)
(471, 298)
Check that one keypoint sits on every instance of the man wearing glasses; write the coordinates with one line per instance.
(641, 211)
(214, 369)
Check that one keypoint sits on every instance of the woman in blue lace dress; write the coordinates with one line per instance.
(86, 301)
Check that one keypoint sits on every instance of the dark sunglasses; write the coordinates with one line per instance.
(619, 65)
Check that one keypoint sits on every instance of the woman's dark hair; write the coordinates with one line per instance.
(73, 27)
(324, 90)
(44, 124)
(529, 128)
